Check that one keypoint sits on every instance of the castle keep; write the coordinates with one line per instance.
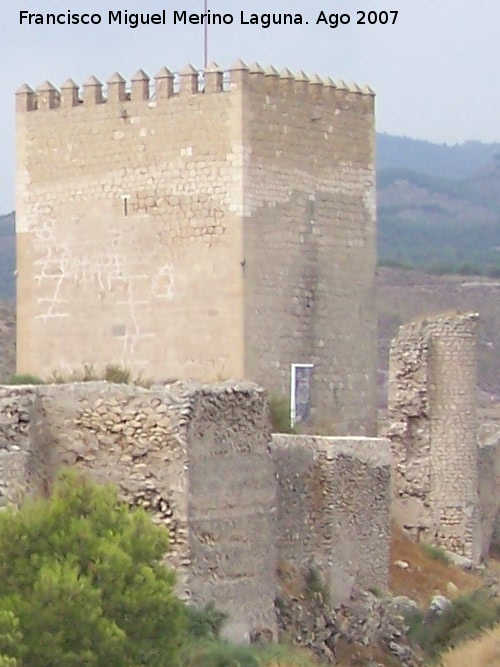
(208, 226)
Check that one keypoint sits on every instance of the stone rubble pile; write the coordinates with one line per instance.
(365, 623)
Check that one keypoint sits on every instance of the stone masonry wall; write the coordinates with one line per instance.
(489, 494)
(20, 472)
(334, 509)
(407, 425)
(309, 242)
(433, 427)
(195, 456)
(128, 220)
(214, 225)
(232, 508)
(488, 438)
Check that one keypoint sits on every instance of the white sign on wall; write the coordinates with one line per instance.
(300, 393)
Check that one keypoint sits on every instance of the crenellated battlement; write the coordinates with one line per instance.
(195, 210)
(167, 84)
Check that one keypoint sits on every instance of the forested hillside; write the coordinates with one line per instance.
(453, 162)
(440, 225)
(439, 206)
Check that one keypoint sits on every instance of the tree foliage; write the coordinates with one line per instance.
(81, 583)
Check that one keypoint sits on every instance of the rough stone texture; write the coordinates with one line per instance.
(19, 463)
(197, 457)
(489, 494)
(232, 509)
(433, 429)
(334, 497)
(183, 234)
(309, 245)
(336, 634)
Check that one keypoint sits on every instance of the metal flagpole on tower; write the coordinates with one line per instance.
(205, 36)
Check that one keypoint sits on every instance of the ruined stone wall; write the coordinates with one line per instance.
(201, 460)
(196, 457)
(489, 479)
(19, 461)
(232, 508)
(489, 494)
(334, 500)
(454, 458)
(220, 226)
(433, 429)
(309, 242)
(408, 427)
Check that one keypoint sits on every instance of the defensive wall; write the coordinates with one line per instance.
(334, 508)
(443, 482)
(205, 225)
(237, 502)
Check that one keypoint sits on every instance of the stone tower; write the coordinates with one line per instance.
(433, 428)
(212, 225)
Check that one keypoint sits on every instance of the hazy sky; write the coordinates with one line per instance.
(435, 71)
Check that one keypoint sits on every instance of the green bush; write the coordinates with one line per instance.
(81, 576)
(24, 378)
(436, 553)
(314, 584)
(205, 622)
(218, 654)
(10, 639)
(280, 414)
(223, 654)
(117, 374)
(467, 616)
(112, 373)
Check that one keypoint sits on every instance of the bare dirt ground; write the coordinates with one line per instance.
(425, 576)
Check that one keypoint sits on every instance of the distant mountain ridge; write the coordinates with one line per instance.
(451, 162)
(440, 225)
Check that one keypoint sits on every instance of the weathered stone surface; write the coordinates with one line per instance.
(206, 232)
(403, 605)
(195, 456)
(236, 501)
(437, 606)
(334, 497)
(20, 466)
(363, 621)
(432, 424)
(489, 493)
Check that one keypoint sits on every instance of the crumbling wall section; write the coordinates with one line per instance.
(433, 428)
(408, 427)
(488, 440)
(489, 494)
(190, 454)
(334, 508)
(232, 507)
(19, 462)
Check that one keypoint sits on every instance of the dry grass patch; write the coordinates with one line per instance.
(481, 652)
